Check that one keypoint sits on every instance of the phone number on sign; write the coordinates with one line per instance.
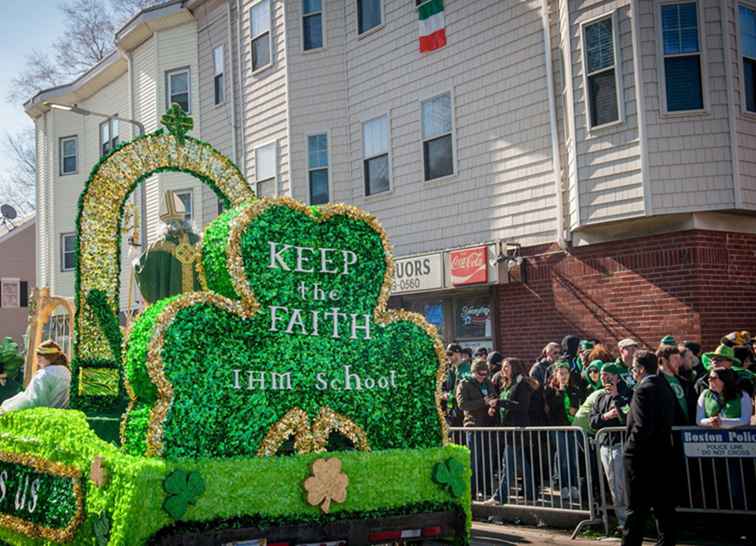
(405, 284)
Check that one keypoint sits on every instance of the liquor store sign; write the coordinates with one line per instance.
(418, 273)
(39, 498)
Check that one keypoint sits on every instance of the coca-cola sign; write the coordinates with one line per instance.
(469, 266)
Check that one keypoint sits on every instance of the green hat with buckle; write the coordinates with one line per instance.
(721, 352)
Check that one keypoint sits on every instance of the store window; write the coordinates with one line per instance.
(472, 316)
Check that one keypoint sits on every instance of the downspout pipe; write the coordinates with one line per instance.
(553, 126)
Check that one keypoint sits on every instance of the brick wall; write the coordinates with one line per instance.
(694, 285)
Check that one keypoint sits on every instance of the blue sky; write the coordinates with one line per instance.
(24, 25)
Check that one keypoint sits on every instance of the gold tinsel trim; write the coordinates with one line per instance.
(35, 530)
(311, 439)
(101, 215)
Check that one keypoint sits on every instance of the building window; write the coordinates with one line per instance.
(178, 84)
(185, 196)
(108, 135)
(265, 169)
(259, 16)
(438, 154)
(368, 15)
(375, 146)
(218, 81)
(747, 21)
(67, 251)
(68, 155)
(600, 72)
(682, 57)
(317, 168)
(312, 24)
(10, 293)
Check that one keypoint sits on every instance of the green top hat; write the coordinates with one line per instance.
(723, 351)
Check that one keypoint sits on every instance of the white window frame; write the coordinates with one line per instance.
(221, 74)
(617, 67)
(63, 236)
(322, 13)
(17, 282)
(327, 133)
(374, 29)
(109, 124)
(741, 53)
(275, 161)
(61, 148)
(390, 189)
(455, 167)
(270, 38)
(169, 94)
(660, 56)
(190, 193)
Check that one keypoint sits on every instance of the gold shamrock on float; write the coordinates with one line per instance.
(327, 483)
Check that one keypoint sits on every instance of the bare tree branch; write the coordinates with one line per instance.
(40, 73)
(123, 10)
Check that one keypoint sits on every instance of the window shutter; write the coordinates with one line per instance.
(24, 294)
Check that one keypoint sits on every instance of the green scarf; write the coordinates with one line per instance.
(504, 395)
(713, 406)
(567, 405)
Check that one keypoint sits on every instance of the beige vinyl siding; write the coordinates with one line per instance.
(265, 112)
(566, 105)
(112, 99)
(608, 158)
(690, 165)
(504, 185)
(42, 192)
(318, 99)
(745, 122)
(216, 120)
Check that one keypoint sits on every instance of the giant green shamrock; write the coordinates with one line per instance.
(294, 329)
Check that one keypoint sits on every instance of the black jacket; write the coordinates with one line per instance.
(649, 423)
(606, 402)
(471, 400)
(555, 411)
(539, 372)
(518, 412)
(691, 402)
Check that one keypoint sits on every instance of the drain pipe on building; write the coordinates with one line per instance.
(553, 126)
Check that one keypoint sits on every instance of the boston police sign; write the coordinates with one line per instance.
(719, 443)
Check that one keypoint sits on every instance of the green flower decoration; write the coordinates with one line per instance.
(451, 475)
(177, 122)
(102, 527)
(183, 488)
(296, 320)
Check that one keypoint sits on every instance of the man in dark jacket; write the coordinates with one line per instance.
(456, 371)
(670, 363)
(610, 410)
(649, 455)
(541, 372)
(475, 396)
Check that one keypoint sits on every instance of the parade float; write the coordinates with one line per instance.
(283, 403)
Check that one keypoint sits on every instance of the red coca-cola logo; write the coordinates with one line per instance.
(469, 266)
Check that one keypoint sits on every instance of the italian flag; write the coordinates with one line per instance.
(432, 31)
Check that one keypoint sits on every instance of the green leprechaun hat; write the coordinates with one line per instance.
(721, 352)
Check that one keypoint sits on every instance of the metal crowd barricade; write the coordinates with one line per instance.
(714, 485)
(548, 468)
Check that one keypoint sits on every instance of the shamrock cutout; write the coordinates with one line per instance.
(295, 317)
(451, 474)
(102, 529)
(177, 122)
(326, 484)
(183, 488)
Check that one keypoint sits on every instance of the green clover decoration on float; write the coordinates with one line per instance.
(293, 340)
(182, 488)
(451, 475)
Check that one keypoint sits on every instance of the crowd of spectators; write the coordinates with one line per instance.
(587, 384)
